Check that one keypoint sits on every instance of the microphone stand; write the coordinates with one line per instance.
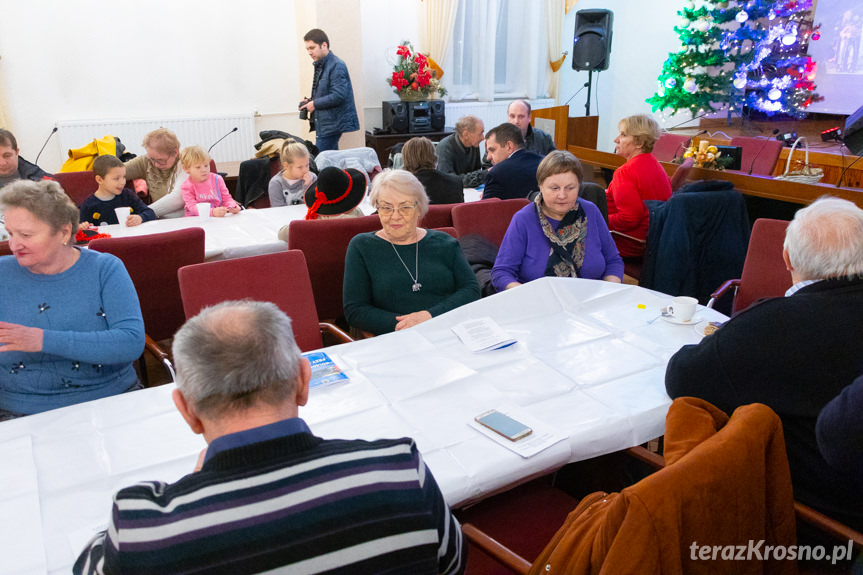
(758, 153)
(222, 138)
(54, 131)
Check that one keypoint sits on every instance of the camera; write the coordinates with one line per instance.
(304, 114)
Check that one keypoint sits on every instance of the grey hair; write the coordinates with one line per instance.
(403, 182)
(236, 354)
(466, 124)
(825, 240)
(46, 200)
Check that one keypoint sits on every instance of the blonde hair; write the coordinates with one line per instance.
(163, 141)
(193, 155)
(403, 182)
(291, 150)
(643, 129)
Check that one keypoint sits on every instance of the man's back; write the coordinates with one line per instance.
(793, 354)
(334, 506)
(514, 177)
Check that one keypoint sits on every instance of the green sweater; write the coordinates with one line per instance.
(372, 305)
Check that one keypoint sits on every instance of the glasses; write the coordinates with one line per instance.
(162, 161)
(404, 211)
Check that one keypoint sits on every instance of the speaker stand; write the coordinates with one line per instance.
(589, 84)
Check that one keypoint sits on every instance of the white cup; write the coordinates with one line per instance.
(122, 214)
(682, 307)
(204, 210)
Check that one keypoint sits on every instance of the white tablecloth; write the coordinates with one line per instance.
(587, 364)
(248, 233)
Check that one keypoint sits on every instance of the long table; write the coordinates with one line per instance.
(589, 364)
(248, 233)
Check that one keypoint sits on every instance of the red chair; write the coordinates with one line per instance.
(448, 230)
(77, 185)
(681, 174)
(764, 272)
(281, 278)
(152, 262)
(759, 154)
(5, 250)
(325, 243)
(488, 219)
(438, 216)
(669, 146)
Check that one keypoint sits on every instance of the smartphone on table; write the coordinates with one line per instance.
(503, 425)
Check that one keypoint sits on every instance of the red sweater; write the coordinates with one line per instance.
(641, 178)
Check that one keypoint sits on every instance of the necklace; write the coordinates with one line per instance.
(417, 285)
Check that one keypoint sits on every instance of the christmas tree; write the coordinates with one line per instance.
(737, 54)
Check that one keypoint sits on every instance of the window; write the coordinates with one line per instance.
(498, 50)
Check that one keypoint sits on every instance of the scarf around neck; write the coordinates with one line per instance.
(567, 243)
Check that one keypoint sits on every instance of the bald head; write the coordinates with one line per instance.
(825, 240)
(518, 113)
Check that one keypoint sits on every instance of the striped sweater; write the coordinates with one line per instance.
(295, 504)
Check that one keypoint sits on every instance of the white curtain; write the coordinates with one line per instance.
(554, 13)
(436, 35)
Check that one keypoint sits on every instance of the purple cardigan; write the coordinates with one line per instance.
(524, 251)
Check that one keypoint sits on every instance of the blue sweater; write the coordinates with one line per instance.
(92, 332)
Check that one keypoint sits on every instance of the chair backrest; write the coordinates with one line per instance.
(5, 250)
(281, 278)
(764, 272)
(488, 219)
(448, 230)
(77, 185)
(438, 216)
(669, 146)
(152, 262)
(595, 194)
(325, 243)
(759, 154)
(681, 174)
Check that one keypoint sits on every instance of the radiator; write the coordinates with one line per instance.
(491, 113)
(204, 132)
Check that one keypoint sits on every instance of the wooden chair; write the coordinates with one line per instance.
(5, 250)
(764, 272)
(324, 243)
(152, 262)
(438, 216)
(669, 146)
(759, 154)
(489, 219)
(281, 278)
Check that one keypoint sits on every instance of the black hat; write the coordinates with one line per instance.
(335, 192)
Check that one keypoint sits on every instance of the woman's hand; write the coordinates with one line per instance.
(411, 319)
(220, 212)
(14, 337)
(613, 279)
(511, 285)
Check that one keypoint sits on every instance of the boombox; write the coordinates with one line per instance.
(414, 117)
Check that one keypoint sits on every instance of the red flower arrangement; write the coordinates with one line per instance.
(414, 74)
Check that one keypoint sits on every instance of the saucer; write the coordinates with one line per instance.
(701, 326)
(691, 321)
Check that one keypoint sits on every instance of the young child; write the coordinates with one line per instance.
(99, 208)
(204, 187)
(288, 186)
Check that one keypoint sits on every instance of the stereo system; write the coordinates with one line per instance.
(413, 117)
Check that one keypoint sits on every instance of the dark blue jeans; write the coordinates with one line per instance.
(328, 142)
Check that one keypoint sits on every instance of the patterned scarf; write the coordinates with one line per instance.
(567, 244)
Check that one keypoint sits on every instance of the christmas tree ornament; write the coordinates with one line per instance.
(742, 16)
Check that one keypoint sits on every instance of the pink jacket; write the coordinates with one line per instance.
(213, 191)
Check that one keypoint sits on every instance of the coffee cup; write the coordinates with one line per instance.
(204, 210)
(682, 308)
(122, 214)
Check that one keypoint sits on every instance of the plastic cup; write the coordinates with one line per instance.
(204, 210)
(122, 214)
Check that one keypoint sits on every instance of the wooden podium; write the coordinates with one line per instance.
(581, 131)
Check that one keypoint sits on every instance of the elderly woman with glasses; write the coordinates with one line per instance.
(160, 168)
(403, 274)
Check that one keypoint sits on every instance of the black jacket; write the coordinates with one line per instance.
(515, 177)
(441, 188)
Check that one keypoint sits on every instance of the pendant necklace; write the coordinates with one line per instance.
(417, 285)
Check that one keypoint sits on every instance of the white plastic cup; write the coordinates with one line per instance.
(204, 210)
(122, 214)
(682, 307)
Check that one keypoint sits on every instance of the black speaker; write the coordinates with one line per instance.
(438, 115)
(854, 132)
(395, 116)
(591, 49)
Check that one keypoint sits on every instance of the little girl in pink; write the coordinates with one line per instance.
(204, 187)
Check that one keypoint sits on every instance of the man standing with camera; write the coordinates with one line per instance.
(330, 110)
